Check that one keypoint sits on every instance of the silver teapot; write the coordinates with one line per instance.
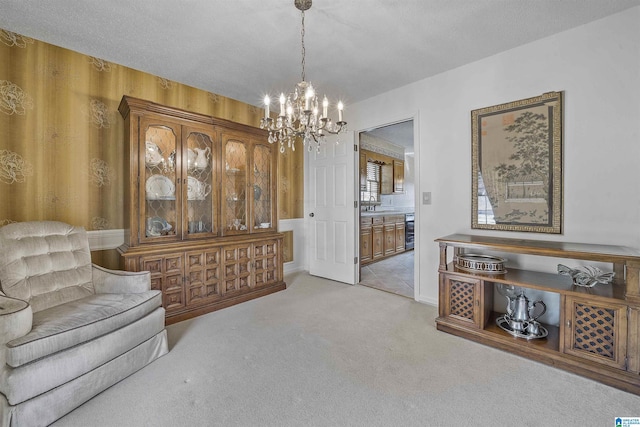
(521, 313)
(520, 309)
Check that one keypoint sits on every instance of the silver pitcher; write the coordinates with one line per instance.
(522, 309)
(521, 313)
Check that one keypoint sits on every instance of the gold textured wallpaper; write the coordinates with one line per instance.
(61, 136)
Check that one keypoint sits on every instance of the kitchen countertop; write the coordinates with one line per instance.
(399, 211)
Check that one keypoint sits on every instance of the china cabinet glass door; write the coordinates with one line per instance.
(262, 183)
(235, 185)
(159, 216)
(199, 161)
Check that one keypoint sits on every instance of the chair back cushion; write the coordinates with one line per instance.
(46, 263)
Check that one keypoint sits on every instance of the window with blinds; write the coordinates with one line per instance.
(374, 172)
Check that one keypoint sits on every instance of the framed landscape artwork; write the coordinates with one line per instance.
(516, 157)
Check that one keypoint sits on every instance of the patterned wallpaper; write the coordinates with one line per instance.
(61, 136)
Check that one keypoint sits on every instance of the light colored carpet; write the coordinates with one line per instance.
(323, 353)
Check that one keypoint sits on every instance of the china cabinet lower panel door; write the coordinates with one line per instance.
(596, 331)
(265, 263)
(166, 275)
(237, 268)
(204, 277)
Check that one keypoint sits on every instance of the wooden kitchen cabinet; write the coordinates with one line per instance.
(381, 236)
(598, 332)
(391, 172)
(377, 231)
(389, 239)
(366, 242)
(400, 236)
(200, 208)
(398, 176)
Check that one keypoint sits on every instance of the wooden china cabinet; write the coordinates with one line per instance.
(200, 208)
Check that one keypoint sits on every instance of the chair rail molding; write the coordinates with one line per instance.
(100, 240)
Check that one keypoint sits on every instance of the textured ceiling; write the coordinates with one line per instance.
(400, 134)
(244, 48)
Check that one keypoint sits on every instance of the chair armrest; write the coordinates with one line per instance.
(16, 320)
(107, 281)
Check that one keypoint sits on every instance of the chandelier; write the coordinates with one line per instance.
(300, 117)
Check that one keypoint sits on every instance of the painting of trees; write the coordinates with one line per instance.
(529, 135)
(517, 165)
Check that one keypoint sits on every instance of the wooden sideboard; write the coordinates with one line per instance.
(598, 333)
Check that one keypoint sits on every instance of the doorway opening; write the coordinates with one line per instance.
(387, 208)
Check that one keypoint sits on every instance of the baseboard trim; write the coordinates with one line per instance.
(292, 267)
(428, 301)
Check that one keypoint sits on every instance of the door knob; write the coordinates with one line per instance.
(312, 215)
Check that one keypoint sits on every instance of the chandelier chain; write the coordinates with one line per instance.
(303, 50)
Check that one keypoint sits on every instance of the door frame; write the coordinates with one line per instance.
(417, 199)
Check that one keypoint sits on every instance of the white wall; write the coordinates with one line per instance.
(597, 66)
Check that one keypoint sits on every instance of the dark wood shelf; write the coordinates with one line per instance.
(585, 251)
(543, 281)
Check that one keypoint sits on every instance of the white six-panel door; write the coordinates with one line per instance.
(332, 214)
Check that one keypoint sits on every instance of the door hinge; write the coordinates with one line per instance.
(355, 147)
(355, 204)
(355, 260)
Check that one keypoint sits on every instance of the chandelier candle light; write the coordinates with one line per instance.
(299, 116)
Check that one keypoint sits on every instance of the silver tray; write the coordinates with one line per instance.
(480, 263)
(504, 325)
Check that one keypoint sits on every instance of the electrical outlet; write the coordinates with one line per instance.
(426, 197)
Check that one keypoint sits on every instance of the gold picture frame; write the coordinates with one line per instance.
(516, 157)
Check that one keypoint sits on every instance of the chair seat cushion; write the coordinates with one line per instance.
(79, 321)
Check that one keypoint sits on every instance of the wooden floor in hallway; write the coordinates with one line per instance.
(394, 274)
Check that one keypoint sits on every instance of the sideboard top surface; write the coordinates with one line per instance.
(587, 251)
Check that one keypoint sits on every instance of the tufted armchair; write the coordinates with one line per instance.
(68, 329)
